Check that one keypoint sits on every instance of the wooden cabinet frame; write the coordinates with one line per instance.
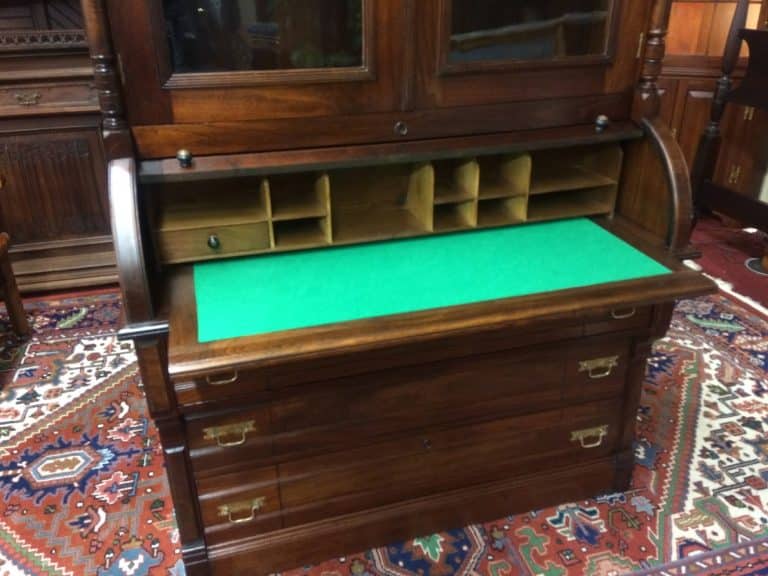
(160, 96)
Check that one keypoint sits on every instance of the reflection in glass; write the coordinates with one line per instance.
(228, 35)
(489, 30)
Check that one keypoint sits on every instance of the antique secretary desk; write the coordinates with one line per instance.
(391, 266)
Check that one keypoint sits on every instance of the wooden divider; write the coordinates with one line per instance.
(304, 210)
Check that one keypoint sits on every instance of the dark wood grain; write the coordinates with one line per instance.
(472, 409)
(9, 292)
(52, 172)
(305, 544)
(163, 141)
(188, 358)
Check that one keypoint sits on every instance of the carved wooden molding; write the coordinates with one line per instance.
(33, 40)
(655, 48)
(106, 77)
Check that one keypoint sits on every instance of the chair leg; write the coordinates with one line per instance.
(13, 299)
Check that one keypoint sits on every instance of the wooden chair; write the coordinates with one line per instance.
(753, 91)
(9, 292)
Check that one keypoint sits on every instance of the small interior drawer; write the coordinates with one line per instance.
(597, 369)
(218, 441)
(212, 242)
(239, 504)
(38, 99)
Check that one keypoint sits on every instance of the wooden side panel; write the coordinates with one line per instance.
(656, 191)
(52, 186)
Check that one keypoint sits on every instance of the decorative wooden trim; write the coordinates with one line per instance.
(42, 40)
(129, 248)
(649, 101)
(104, 65)
(447, 69)
(676, 168)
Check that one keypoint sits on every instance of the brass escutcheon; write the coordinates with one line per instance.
(28, 99)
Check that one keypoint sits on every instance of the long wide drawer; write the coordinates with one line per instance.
(29, 99)
(238, 384)
(351, 412)
(427, 462)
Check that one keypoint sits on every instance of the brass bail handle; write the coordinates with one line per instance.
(222, 381)
(251, 506)
(598, 434)
(599, 367)
(237, 431)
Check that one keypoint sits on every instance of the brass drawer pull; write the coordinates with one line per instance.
(599, 367)
(28, 99)
(617, 315)
(238, 431)
(224, 381)
(250, 506)
(581, 436)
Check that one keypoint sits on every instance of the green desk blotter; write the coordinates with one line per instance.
(269, 293)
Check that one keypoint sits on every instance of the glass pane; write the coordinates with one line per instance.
(488, 30)
(227, 35)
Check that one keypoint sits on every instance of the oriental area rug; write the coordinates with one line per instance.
(83, 489)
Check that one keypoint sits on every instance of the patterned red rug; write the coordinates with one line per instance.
(84, 492)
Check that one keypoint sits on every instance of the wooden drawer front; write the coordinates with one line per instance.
(36, 99)
(190, 245)
(619, 320)
(431, 462)
(220, 386)
(596, 369)
(219, 441)
(360, 410)
(240, 504)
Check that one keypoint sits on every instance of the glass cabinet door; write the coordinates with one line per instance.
(238, 60)
(257, 35)
(495, 51)
(527, 31)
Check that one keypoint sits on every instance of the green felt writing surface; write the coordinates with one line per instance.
(269, 293)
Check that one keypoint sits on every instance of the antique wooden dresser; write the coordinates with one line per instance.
(390, 266)
(53, 198)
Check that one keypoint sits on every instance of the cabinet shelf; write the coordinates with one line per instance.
(296, 196)
(361, 225)
(569, 178)
(504, 176)
(501, 211)
(194, 207)
(450, 217)
(575, 169)
(587, 202)
(456, 181)
(302, 233)
(387, 201)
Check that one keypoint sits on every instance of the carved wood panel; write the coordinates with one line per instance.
(52, 186)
